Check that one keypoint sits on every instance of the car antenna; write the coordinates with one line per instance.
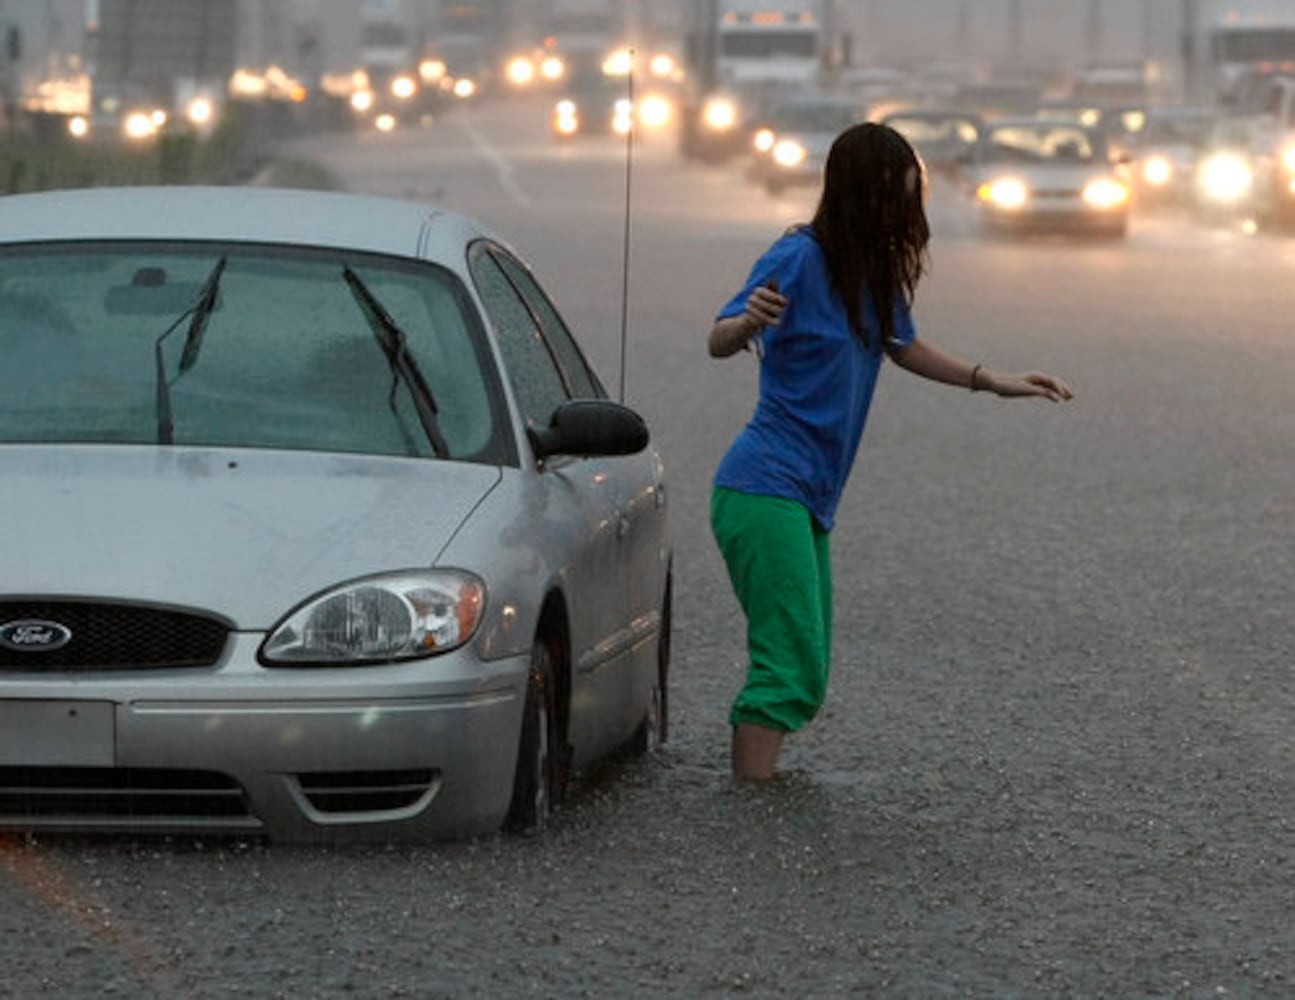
(625, 249)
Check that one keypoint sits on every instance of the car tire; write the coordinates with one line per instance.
(535, 779)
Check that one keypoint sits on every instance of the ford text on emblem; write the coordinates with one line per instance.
(34, 636)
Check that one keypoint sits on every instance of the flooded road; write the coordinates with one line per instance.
(1055, 758)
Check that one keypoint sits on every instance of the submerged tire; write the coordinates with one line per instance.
(534, 782)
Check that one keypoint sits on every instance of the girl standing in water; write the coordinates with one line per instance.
(822, 307)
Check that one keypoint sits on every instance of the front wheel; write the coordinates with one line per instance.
(534, 782)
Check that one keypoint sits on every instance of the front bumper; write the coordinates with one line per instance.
(1056, 216)
(422, 750)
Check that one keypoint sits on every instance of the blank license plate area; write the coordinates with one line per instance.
(56, 733)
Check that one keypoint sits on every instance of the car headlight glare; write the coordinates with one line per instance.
(720, 115)
(788, 153)
(655, 111)
(1226, 178)
(1007, 193)
(1105, 192)
(401, 616)
(1158, 171)
(1288, 159)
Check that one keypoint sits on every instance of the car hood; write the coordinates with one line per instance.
(243, 534)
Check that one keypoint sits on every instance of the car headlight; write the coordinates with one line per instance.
(553, 69)
(521, 71)
(788, 153)
(1105, 192)
(398, 616)
(139, 125)
(1158, 170)
(655, 111)
(1288, 158)
(763, 140)
(720, 114)
(1226, 178)
(1006, 192)
(404, 88)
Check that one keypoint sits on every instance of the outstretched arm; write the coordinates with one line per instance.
(931, 362)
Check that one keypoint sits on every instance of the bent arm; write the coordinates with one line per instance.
(764, 307)
(728, 336)
(929, 361)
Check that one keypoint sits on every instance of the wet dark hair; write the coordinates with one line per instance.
(871, 225)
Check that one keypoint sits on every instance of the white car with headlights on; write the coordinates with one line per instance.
(1164, 154)
(792, 138)
(319, 524)
(1033, 175)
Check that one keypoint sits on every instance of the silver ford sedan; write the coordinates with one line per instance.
(318, 524)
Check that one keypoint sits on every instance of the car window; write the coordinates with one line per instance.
(1033, 143)
(935, 130)
(807, 117)
(287, 359)
(578, 376)
(532, 369)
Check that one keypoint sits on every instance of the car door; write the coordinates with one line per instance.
(578, 502)
(637, 482)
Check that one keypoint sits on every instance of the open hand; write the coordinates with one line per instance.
(1027, 384)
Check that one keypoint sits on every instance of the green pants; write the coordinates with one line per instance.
(779, 562)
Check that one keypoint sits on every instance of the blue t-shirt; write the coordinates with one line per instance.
(816, 383)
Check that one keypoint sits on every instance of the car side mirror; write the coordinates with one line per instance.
(590, 428)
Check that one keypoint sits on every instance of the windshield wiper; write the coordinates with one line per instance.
(198, 314)
(403, 369)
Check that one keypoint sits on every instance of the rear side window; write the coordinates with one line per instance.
(531, 366)
(579, 377)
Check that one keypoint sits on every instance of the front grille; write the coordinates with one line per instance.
(367, 791)
(92, 795)
(115, 637)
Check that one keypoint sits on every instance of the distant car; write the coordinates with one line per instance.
(320, 525)
(592, 104)
(1033, 175)
(1234, 180)
(943, 138)
(1164, 153)
(792, 139)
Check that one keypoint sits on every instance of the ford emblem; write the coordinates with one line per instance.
(31, 636)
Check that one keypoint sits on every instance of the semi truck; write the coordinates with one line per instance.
(737, 55)
(150, 60)
(1233, 46)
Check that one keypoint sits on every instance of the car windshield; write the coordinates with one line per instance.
(1036, 143)
(923, 131)
(804, 118)
(287, 359)
(1184, 130)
